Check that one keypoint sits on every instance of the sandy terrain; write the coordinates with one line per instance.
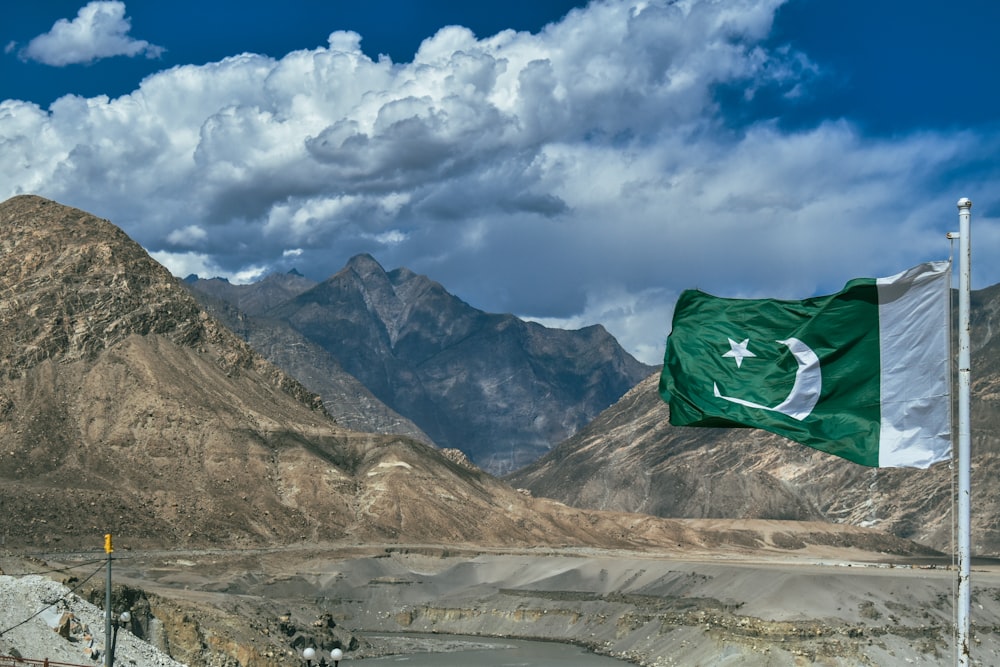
(826, 606)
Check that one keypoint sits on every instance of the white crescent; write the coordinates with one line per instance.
(805, 392)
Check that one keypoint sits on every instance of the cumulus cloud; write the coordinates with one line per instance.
(100, 30)
(191, 235)
(583, 174)
(203, 265)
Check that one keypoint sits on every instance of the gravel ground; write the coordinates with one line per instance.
(31, 609)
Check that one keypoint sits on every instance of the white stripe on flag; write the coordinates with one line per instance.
(915, 372)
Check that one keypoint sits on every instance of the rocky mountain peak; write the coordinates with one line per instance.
(74, 285)
(491, 385)
(402, 275)
(364, 265)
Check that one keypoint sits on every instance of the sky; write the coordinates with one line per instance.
(568, 162)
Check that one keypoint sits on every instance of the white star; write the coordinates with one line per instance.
(739, 351)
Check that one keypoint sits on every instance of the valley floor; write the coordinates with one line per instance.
(826, 606)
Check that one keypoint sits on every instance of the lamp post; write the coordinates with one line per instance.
(308, 654)
(336, 654)
(122, 621)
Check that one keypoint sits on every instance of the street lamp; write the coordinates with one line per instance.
(123, 620)
(309, 653)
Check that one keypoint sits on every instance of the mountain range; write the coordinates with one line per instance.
(502, 390)
(345, 398)
(126, 408)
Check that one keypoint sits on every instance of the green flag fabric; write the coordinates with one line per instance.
(863, 374)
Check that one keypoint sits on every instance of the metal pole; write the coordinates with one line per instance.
(964, 454)
(107, 618)
(107, 604)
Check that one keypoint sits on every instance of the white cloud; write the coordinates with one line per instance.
(183, 264)
(191, 235)
(632, 316)
(100, 30)
(555, 174)
(186, 263)
(391, 237)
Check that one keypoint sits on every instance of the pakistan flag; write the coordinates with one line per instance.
(863, 374)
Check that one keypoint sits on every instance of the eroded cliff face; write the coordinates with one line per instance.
(248, 634)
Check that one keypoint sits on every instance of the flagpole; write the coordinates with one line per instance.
(964, 434)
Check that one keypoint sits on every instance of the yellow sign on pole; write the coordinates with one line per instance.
(107, 543)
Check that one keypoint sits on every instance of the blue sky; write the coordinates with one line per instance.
(569, 162)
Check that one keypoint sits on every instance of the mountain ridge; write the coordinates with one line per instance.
(348, 401)
(500, 389)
